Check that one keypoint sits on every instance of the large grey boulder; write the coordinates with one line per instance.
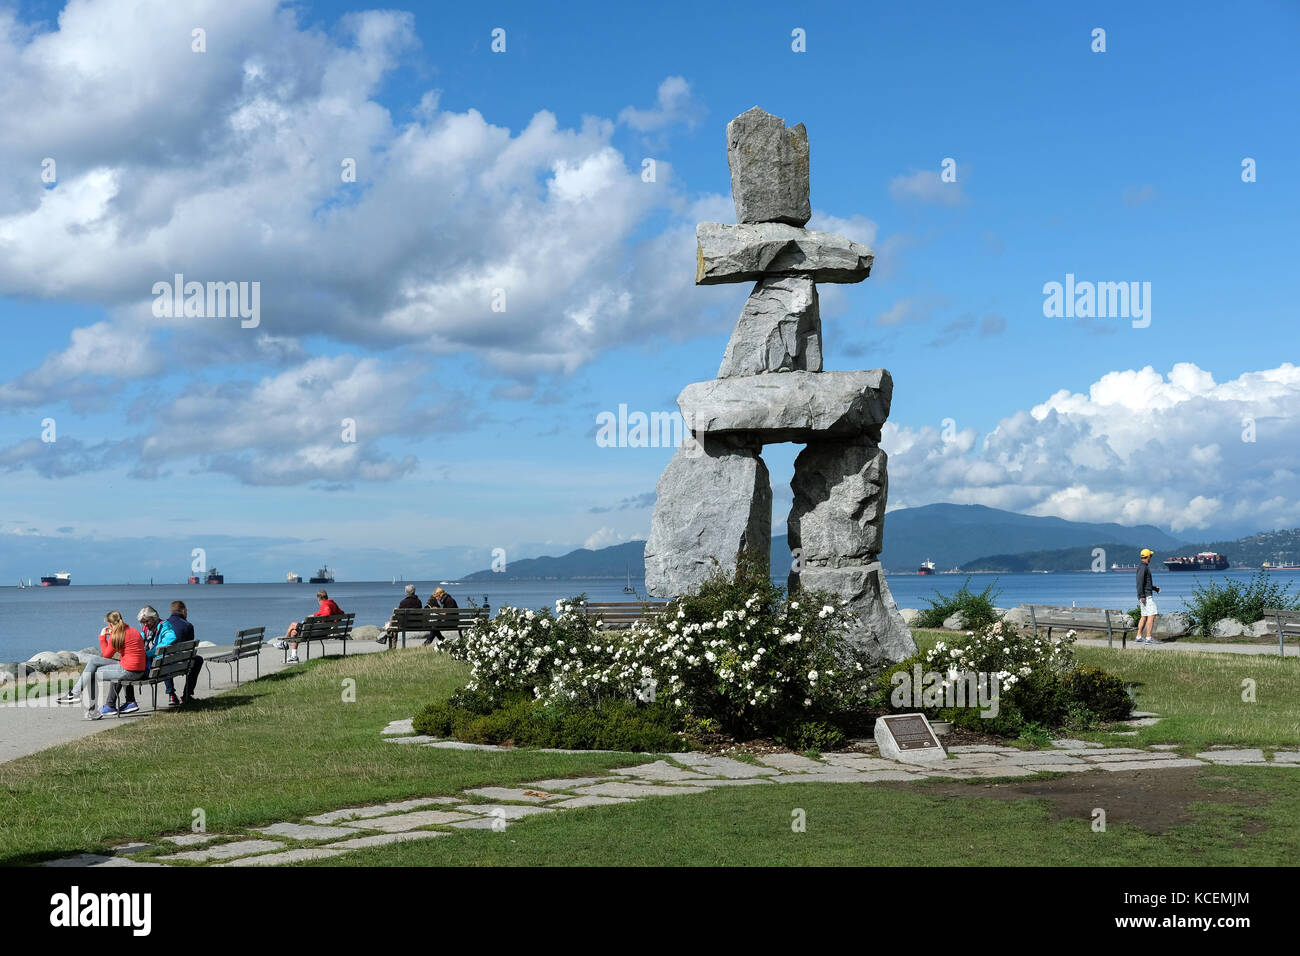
(793, 406)
(910, 615)
(954, 622)
(752, 251)
(881, 630)
(714, 502)
(1262, 628)
(769, 168)
(838, 517)
(1173, 624)
(1017, 617)
(17, 669)
(780, 330)
(45, 661)
(1229, 627)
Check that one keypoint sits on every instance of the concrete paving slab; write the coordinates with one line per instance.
(1149, 764)
(379, 810)
(637, 790)
(287, 857)
(564, 784)
(521, 795)
(590, 800)
(794, 762)
(95, 859)
(383, 839)
(507, 811)
(304, 831)
(225, 851)
(1248, 756)
(399, 727)
(405, 821)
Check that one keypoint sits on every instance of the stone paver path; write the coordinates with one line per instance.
(331, 834)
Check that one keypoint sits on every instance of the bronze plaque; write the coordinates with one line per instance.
(910, 732)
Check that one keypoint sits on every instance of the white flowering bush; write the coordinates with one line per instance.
(1038, 680)
(739, 653)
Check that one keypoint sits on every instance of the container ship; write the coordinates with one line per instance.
(215, 578)
(323, 576)
(59, 580)
(1281, 564)
(927, 567)
(1203, 561)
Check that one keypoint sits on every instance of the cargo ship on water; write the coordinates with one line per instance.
(323, 576)
(59, 580)
(1202, 561)
(927, 567)
(292, 578)
(215, 578)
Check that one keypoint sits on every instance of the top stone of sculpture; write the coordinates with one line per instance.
(769, 169)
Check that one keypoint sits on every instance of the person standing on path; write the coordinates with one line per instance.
(1146, 599)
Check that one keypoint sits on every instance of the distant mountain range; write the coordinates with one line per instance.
(950, 535)
(1248, 552)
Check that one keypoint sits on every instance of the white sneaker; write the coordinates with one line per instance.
(282, 645)
(293, 659)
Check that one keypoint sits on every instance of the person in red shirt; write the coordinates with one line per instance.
(327, 609)
(116, 640)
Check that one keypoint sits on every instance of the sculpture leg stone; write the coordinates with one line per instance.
(714, 501)
(840, 489)
(881, 630)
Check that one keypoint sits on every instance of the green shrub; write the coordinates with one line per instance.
(977, 610)
(1102, 693)
(818, 735)
(1212, 603)
(610, 725)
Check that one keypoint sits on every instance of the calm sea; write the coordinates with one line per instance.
(69, 618)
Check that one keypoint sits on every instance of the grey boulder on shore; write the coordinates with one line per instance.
(750, 251)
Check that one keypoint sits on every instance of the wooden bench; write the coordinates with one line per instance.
(1288, 625)
(336, 627)
(1082, 618)
(617, 615)
(172, 661)
(420, 619)
(247, 644)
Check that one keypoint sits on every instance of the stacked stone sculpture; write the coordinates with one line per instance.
(715, 497)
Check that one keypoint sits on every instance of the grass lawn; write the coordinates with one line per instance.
(280, 748)
(1252, 824)
(288, 746)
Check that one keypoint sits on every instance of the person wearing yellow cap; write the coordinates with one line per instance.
(1146, 599)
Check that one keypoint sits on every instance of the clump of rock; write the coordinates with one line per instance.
(715, 496)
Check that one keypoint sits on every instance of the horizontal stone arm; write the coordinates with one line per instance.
(751, 251)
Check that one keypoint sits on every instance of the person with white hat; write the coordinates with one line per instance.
(1146, 600)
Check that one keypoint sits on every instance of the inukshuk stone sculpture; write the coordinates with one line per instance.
(715, 498)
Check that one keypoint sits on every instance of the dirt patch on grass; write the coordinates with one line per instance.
(1153, 800)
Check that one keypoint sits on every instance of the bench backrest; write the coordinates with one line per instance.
(335, 627)
(1089, 617)
(248, 643)
(172, 660)
(1288, 622)
(435, 618)
(624, 612)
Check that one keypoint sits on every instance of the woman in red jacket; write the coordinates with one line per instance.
(116, 640)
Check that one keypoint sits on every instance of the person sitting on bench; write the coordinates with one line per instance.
(389, 636)
(327, 609)
(439, 598)
(115, 640)
(174, 630)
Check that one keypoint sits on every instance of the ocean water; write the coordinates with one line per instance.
(69, 618)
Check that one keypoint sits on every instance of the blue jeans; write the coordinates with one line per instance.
(102, 668)
(191, 679)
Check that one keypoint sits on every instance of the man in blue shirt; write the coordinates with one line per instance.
(175, 630)
(1146, 600)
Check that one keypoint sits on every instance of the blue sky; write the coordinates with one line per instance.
(521, 170)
